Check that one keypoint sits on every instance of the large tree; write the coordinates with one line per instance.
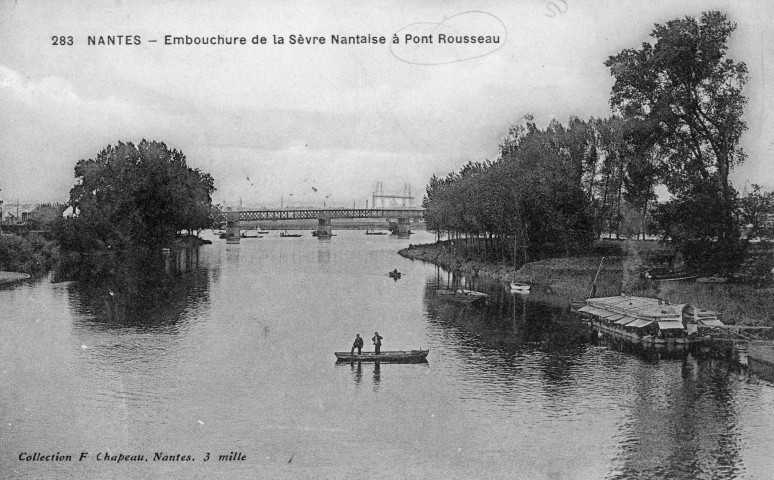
(141, 194)
(684, 85)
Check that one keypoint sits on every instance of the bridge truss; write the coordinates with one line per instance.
(268, 215)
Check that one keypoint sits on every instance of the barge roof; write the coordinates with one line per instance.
(645, 308)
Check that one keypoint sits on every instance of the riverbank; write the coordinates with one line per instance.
(573, 278)
(568, 277)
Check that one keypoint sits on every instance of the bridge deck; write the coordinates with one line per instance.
(305, 214)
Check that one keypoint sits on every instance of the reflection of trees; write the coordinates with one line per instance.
(498, 337)
(138, 288)
(681, 423)
(680, 414)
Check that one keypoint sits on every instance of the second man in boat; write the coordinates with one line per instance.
(377, 342)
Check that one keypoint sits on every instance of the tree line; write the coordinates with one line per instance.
(677, 108)
(143, 194)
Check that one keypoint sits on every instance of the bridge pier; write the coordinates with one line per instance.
(232, 226)
(324, 229)
(404, 226)
(401, 227)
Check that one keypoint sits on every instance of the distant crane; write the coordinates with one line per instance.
(405, 198)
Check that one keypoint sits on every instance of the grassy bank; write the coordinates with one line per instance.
(740, 304)
(573, 278)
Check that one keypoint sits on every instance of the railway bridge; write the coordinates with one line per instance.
(324, 217)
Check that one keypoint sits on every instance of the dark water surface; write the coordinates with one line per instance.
(231, 350)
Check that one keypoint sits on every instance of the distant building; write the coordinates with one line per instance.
(766, 220)
(70, 212)
(15, 214)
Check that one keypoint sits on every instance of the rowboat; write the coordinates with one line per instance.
(462, 296)
(519, 286)
(250, 234)
(397, 356)
(665, 275)
(712, 279)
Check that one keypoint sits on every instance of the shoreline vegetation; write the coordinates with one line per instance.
(572, 278)
(28, 256)
(553, 193)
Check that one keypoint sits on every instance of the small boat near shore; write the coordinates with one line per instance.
(250, 234)
(665, 275)
(712, 279)
(520, 286)
(462, 296)
(650, 321)
(395, 356)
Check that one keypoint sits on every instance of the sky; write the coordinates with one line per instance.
(321, 124)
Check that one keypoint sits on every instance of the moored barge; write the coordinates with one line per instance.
(650, 321)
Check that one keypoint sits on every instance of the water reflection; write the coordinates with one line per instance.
(679, 411)
(506, 322)
(647, 354)
(232, 254)
(356, 370)
(324, 256)
(681, 422)
(137, 289)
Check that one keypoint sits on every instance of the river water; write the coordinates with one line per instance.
(230, 349)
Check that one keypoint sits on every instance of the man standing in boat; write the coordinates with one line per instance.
(358, 344)
(377, 342)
